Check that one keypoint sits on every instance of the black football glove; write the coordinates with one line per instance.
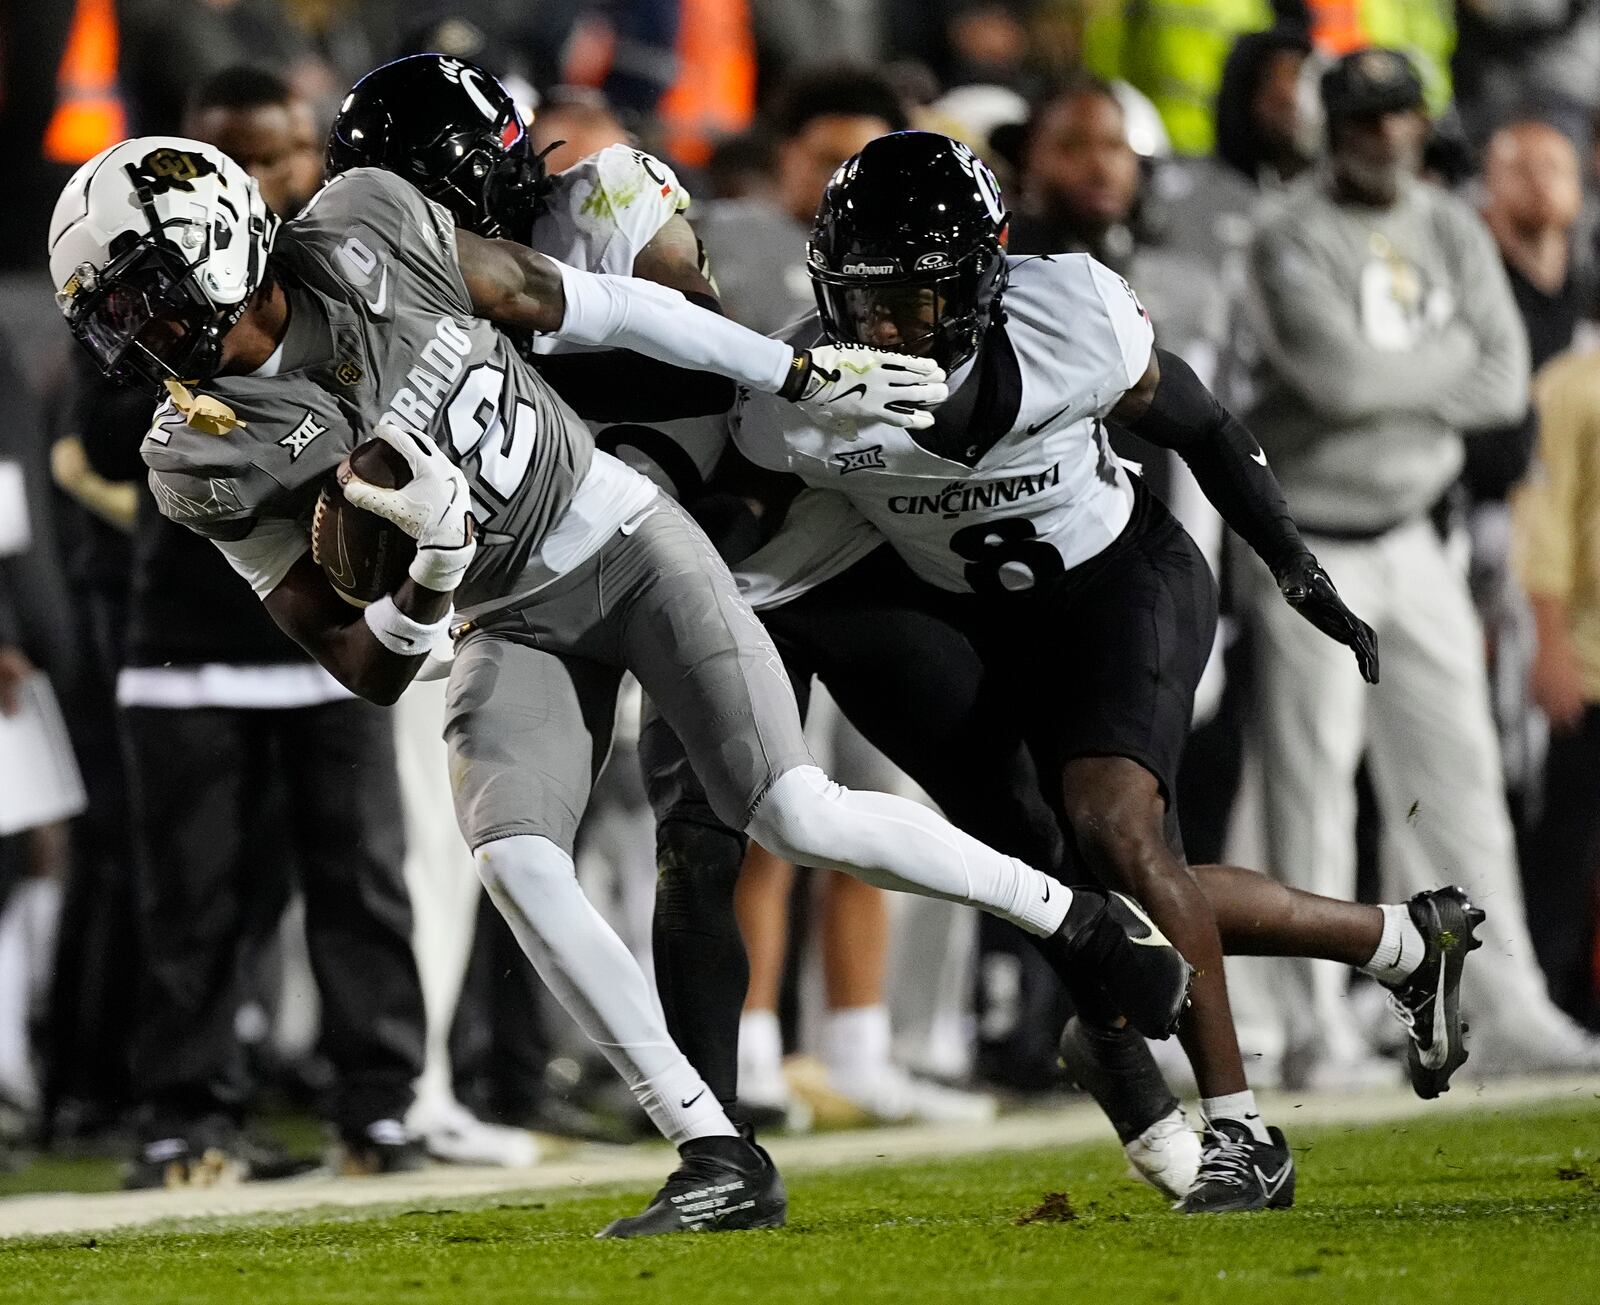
(1306, 588)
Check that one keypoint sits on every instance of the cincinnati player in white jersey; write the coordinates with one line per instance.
(1034, 601)
(375, 315)
(1014, 484)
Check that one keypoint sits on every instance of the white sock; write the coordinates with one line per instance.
(1239, 1107)
(895, 843)
(855, 1043)
(760, 1047)
(595, 977)
(1399, 951)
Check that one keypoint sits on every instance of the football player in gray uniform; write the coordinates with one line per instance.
(1035, 601)
(449, 128)
(372, 314)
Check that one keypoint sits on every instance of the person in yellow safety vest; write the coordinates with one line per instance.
(1173, 50)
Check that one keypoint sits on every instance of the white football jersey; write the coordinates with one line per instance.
(598, 215)
(1026, 485)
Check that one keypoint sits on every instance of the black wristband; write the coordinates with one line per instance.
(794, 385)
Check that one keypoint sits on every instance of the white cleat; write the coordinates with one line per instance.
(893, 1096)
(1166, 1155)
(453, 1134)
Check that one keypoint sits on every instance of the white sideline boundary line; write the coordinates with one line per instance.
(646, 1165)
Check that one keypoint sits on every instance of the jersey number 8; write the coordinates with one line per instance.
(1006, 556)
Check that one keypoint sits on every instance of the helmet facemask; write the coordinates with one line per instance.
(940, 313)
(145, 320)
(452, 131)
(492, 192)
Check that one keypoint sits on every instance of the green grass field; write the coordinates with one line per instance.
(1498, 1206)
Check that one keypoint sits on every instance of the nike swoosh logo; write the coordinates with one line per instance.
(1434, 1055)
(343, 573)
(1272, 1185)
(1155, 938)
(850, 393)
(1040, 425)
(1047, 890)
(377, 305)
(1259, 457)
(684, 1105)
(628, 527)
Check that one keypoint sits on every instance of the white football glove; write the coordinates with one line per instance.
(848, 383)
(433, 507)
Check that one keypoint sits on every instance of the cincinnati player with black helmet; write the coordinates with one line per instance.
(1037, 604)
(449, 127)
(372, 314)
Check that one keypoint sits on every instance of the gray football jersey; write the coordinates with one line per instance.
(401, 343)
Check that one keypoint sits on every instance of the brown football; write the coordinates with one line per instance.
(363, 556)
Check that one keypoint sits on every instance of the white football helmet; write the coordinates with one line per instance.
(156, 246)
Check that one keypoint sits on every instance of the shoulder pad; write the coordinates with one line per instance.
(628, 189)
(270, 465)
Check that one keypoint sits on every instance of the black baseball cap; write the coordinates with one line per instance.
(1366, 83)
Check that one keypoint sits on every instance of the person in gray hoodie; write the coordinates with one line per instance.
(1387, 333)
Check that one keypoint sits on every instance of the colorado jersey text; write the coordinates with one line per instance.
(377, 261)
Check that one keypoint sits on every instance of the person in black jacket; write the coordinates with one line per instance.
(223, 715)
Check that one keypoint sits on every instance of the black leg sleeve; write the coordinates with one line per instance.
(701, 968)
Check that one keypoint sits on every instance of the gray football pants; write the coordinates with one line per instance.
(528, 721)
(533, 692)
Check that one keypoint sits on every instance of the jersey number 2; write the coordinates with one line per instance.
(1005, 556)
(502, 440)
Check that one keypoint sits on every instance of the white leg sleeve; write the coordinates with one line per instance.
(895, 843)
(439, 877)
(597, 980)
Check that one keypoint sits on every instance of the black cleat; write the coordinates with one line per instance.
(1428, 1002)
(382, 1147)
(208, 1159)
(712, 1192)
(1239, 1173)
(174, 1162)
(1108, 941)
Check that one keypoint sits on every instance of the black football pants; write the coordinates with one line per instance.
(1561, 871)
(206, 896)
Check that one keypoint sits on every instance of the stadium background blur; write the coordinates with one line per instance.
(1212, 109)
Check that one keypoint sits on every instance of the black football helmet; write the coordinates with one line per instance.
(908, 252)
(449, 128)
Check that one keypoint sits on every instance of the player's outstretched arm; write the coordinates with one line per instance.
(1170, 407)
(620, 385)
(519, 289)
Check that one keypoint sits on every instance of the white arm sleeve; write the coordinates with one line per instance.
(624, 312)
(822, 536)
(264, 556)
